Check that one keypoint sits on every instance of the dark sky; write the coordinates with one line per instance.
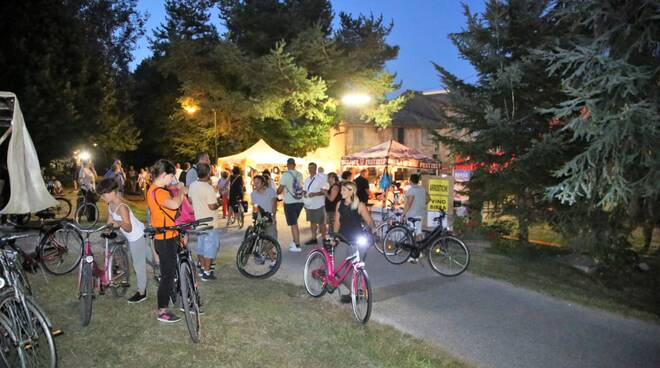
(420, 29)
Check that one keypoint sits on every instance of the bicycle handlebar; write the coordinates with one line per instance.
(10, 237)
(180, 227)
(77, 227)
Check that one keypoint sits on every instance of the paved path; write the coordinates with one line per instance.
(487, 322)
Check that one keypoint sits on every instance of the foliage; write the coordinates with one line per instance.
(496, 122)
(610, 73)
(67, 61)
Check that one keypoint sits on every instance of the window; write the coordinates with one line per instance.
(400, 135)
(358, 135)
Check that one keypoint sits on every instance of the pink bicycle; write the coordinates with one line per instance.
(113, 275)
(321, 276)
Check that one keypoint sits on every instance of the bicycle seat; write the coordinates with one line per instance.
(414, 219)
(111, 235)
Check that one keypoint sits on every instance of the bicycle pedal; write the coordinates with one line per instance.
(57, 332)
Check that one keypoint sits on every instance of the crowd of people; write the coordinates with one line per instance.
(333, 204)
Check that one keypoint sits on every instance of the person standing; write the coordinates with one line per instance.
(162, 207)
(349, 217)
(178, 171)
(223, 190)
(132, 179)
(264, 197)
(314, 201)
(416, 200)
(290, 185)
(121, 216)
(191, 175)
(205, 204)
(332, 197)
(362, 183)
(87, 179)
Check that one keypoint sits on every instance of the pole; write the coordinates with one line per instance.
(215, 135)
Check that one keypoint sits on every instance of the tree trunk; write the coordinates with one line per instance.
(523, 220)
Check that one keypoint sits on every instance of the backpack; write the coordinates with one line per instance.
(297, 187)
(184, 214)
(385, 181)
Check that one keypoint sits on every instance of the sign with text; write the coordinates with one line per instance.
(439, 198)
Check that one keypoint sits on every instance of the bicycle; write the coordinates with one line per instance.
(239, 214)
(58, 212)
(321, 276)
(114, 274)
(447, 254)
(87, 213)
(389, 218)
(259, 255)
(31, 336)
(185, 285)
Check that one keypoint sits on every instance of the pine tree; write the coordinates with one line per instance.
(496, 122)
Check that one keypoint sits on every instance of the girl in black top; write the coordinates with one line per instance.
(349, 216)
(236, 190)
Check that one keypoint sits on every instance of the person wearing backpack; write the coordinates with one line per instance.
(291, 186)
(163, 208)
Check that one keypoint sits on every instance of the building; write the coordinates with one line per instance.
(411, 126)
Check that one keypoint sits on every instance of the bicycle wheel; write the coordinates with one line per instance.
(87, 215)
(259, 258)
(119, 272)
(449, 256)
(32, 331)
(398, 244)
(316, 269)
(10, 353)
(361, 299)
(379, 236)
(86, 293)
(63, 208)
(60, 250)
(190, 301)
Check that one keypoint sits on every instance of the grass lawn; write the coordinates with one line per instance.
(248, 323)
(542, 269)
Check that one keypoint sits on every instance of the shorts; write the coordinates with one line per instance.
(418, 224)
(291, 212)
(208, 243)
(316, 215)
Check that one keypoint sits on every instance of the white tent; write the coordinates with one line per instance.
(28, 190)
(260, 154)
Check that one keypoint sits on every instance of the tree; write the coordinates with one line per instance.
(67, 63)
(610, 74)
(496, 122)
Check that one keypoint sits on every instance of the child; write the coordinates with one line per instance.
(121, 216)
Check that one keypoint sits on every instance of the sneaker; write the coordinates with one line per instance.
(209, 276)
(168, 317)
(413, 260)
(311, 242)
(345, 299)
(294, 248)
(137, 298)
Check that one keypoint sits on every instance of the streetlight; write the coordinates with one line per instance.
(191, 109)
(355, 99)
(85, 156)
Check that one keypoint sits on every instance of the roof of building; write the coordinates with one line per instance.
(423, 109)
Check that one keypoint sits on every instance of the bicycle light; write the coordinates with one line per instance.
(362, 241)
(2, 282)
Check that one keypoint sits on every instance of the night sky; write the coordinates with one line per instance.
(420, 29)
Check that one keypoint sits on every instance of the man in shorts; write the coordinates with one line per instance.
(416, 200)
(314, 201)
(291, 187)
(205, 204)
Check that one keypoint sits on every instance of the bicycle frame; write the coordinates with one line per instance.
(344, 269)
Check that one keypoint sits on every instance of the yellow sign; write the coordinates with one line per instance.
(438, 194)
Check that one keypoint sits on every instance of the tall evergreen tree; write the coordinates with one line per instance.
(496, 121)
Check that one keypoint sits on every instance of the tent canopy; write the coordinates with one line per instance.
(260, 154)
(391, 153)
(28, 190)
